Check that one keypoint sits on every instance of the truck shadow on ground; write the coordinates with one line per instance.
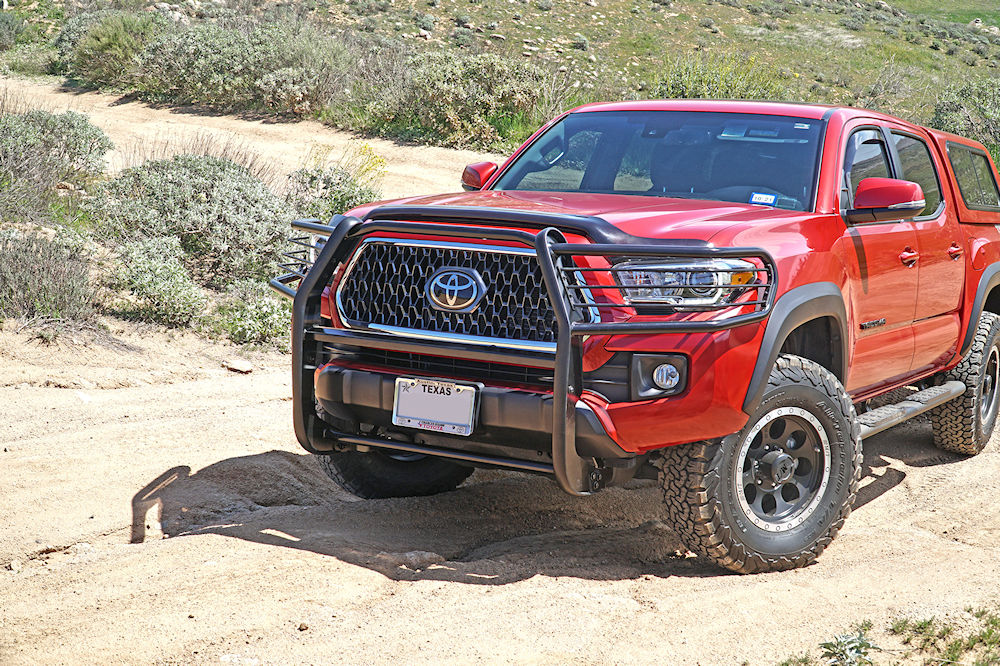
(888, 454)
(498, 528)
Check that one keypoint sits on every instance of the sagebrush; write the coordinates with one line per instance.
(43, 277)
(153, 272)
(228, 223)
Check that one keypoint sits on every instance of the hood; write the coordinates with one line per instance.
(649, 216)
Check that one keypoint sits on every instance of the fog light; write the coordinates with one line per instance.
(666, 376)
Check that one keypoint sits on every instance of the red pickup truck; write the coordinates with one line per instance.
(709, 293)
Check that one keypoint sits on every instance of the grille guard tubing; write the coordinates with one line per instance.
(576, 475)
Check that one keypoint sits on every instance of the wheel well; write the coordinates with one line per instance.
(819, 340)
(992, 303)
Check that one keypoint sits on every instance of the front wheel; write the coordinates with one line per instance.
(774, 495)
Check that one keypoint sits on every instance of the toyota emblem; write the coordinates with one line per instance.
(454, 289)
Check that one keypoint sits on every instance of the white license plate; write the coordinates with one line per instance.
(434, 405)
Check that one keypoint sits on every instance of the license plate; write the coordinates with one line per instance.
(434, 405)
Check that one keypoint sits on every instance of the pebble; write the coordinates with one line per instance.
(239, 365)
(14, 565)
(303, 626)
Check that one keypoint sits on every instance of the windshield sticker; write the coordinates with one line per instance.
(764, 132)
(735, 131)
(763, 199)
(802, 126)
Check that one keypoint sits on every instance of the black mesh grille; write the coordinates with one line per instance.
(386, 286)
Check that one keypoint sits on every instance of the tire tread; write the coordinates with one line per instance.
(689, 476)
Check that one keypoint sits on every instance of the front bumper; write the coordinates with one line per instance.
(563, 415)
(515, 419)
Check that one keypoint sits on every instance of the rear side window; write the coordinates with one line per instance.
(975, 178)
(917, 166)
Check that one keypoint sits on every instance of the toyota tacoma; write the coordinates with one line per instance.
(719, 295)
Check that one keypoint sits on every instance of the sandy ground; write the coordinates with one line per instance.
(155, 508)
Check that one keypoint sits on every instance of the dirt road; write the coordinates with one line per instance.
(140, 131)
(108, 446)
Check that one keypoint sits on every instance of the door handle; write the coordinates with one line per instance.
(955, 251)
(909, 257)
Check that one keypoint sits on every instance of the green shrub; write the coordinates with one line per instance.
(37, 151)
(252, 314)
(228, 224)
(322, 192)
(464, 99)
(152, 270)
(210, 64)
(75, 29)
(11, 27)
(726, 77)
(971, 109)
(29, 59)
(462, 37)
(43, 277)
(377, 91)
(286, 67)
(107, 52)
(70, 138)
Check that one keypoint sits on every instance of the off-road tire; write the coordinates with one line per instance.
(699, 486)
(377, 475)
(959, 425)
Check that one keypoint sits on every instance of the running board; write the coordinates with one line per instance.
(883, 418)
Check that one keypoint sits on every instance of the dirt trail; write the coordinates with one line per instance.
(139, 130)
(107, 446)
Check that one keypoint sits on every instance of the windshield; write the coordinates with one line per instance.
(739, 157)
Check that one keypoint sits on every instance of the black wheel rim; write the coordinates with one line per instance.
(782, 469)
(988, 392)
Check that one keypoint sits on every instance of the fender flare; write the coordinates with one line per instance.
(987, 281)
(796, 307)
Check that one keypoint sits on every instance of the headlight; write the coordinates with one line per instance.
(698, 282)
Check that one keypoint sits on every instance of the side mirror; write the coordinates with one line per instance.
(881, 199)
(476, 175)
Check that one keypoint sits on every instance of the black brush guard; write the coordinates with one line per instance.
(321, 249)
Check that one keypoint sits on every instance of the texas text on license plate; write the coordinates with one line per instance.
(434, 405)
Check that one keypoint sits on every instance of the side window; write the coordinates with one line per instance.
(866, 157)
(918, 166)
(567, 172)
(975, 177)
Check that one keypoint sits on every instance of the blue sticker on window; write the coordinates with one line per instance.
(763, 199)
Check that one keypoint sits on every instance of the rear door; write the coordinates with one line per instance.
(941, 264)
(883, 271)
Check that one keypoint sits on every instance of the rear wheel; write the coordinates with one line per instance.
(379, 474)
(775, 494)
(965, 424)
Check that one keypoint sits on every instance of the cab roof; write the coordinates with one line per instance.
(794, 109)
